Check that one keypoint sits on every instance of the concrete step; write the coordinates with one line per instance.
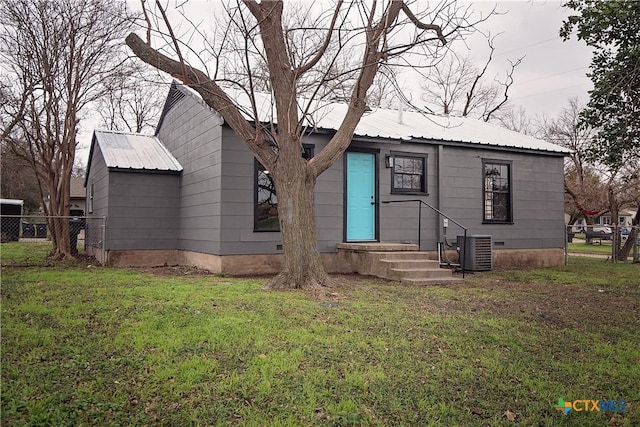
(432, 281)
(402, 255)
(400, 262)
(420, 273)
(377, 246)
(411, 263)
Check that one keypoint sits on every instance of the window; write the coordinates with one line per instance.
(408, 173)
(497, 191)
(266, 201)
(90, 201)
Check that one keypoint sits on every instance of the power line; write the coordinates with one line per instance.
(547, 91)
(550, 75)
(527, 46)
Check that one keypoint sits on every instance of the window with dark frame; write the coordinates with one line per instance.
(409, 173)
(497, 191)
(266, 201)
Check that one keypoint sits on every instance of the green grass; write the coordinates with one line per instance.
(101, 346)
(581, 271)
(24, 254)
(582, 247)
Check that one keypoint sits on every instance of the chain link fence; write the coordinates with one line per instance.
(86, 234)
(605, 241)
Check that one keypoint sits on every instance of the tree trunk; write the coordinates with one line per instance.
(59, 202)
(623, 254)
(303, 267)
(615, 232)
(589, 220)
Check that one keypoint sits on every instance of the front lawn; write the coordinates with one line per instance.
(87, 345)
(596, 248)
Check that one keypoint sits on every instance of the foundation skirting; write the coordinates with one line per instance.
(344, 261)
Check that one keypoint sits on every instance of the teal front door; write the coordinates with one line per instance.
(360, 197)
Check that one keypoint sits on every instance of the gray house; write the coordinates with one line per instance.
(193, 194)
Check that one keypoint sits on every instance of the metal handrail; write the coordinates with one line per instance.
(439, 212)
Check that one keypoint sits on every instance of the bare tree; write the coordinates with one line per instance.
(18, 180)
(457, 86)
(379, 32)
(133, 103)
(623, 191)
(592, 190)
(60, 54)
(585, 189)
(12, 106)
(517, 119)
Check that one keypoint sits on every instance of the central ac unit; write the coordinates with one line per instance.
(476, 253)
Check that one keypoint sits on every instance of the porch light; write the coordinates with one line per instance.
(388, 161)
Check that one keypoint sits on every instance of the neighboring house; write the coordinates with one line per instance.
(625, 217)
(194, 194)
(78, 197)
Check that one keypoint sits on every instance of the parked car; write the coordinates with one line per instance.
(602, 229)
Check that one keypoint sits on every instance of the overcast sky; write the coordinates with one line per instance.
(551, 72)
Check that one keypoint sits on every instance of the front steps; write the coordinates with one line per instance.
(400, 262)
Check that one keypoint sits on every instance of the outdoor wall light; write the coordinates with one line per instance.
(388, 161)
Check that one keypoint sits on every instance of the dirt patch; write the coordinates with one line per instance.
(177, 270)
(553, 305)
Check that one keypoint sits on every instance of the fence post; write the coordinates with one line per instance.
(614, 242)
(566, 245)
(104, 240)
(636, 242)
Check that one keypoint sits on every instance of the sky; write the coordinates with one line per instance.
(552, 70)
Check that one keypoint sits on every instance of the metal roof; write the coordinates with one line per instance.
(133, 151)
(12, 202)
(408, 126)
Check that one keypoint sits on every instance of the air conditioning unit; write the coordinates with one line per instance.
(476, 253)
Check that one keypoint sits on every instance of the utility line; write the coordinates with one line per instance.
(549, 76)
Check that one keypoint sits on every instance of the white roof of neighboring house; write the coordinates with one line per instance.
(12, 201)
(123, 150)
(393, 124)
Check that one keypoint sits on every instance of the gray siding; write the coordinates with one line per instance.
(537, 196)
(143, 211)
(399, 221)
(99, 179)
(192, 133)
(537, 192)
(237, 219)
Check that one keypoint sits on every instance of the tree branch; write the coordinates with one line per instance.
(211, 93)
(507, 85)
(471, 92)
(423, 26)
(321, 51)
(173, 38)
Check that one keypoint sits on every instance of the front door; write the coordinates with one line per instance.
(360, 196)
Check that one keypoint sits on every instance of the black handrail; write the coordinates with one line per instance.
(422, 202)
